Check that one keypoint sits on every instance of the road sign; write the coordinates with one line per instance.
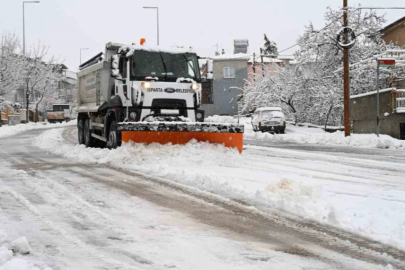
(386, 63)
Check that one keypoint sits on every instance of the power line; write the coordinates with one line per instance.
(326, 26)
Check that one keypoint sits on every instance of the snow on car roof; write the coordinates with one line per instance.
(269, 109)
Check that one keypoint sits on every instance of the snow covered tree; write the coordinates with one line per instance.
(40, 77)
(270, 47)
(11, 63)
(312, 90)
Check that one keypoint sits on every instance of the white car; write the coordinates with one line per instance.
(270, 119)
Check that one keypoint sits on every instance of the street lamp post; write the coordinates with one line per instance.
(157, 13)
(26, 95)
(81, 49)
(32, 2)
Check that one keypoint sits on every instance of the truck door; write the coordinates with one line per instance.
(121, 89)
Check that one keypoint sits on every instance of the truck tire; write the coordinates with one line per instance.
(80, 131)
(114, 136)
(88, 140)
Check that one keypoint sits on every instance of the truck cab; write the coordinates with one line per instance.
(157, 83)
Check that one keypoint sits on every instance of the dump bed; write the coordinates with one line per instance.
(95, 85)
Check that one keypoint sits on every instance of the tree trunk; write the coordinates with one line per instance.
(36, 108)
(328, 114)
(28, 104)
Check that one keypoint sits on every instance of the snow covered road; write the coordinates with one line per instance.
(80, 215)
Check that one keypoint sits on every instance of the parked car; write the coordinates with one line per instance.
(270, 119)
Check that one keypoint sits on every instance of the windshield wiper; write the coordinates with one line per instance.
(164, 65)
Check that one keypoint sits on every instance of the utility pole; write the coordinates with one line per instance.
(261, 57)
(254, 66)
(378, 99)
(346, 89)
(26, 91)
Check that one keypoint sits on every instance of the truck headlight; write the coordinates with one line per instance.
(195, 86)
(145, 85)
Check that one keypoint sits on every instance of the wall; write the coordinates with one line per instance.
(224, 96)
(363, 113)
(395, 33)
(269, 67)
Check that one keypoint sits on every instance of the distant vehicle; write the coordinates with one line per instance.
(270, 119)
(59, 113)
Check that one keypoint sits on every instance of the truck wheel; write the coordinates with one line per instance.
(114, 137)
(80, 129)
(88, 140)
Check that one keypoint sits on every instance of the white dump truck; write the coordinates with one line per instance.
(146, 94)
(59, 113)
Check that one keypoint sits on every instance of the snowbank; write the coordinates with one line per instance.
(10, 258)
(287, 181)
(222, 119)
(7, 130)
(307, 135)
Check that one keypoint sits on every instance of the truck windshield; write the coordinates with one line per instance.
(165, 66)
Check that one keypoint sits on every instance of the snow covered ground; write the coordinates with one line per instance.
(311, 135)
(363, 196)
(85, 216)
(13, 254)
(7, 130)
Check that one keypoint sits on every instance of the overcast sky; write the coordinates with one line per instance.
(68, 25)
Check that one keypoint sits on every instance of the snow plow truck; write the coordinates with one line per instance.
(146, 95)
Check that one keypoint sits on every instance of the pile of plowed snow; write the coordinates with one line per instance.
(12, 254)
(7, 130)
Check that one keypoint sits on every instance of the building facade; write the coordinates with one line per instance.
(220, 96)
(363, 112)
(257, 67)
(395, 33)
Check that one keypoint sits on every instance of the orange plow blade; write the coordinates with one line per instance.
(176, 137)
(180, 133)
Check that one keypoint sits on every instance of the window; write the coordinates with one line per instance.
(229, 72)
(123, 67)
(400, 99)
(166, 66)
(400, 104)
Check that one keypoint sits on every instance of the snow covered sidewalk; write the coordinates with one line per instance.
(363, 196)
(309, 135)
(7, 130)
